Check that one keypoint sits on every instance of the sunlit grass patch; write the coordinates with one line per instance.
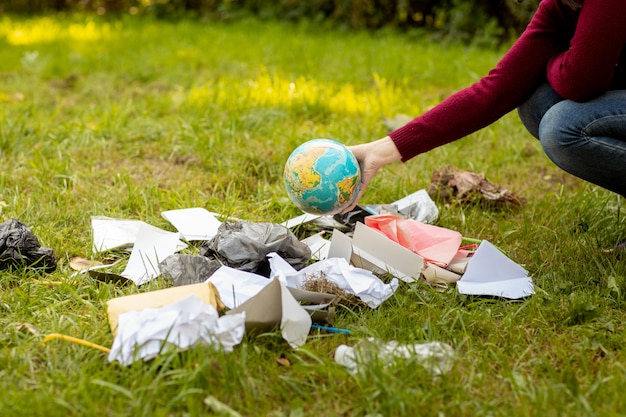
(300, 94)
(48, 29)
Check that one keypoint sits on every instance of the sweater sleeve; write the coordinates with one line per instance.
(587, 68)
(521, 70)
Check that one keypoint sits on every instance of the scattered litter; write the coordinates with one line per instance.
(490, 272)
(19, 247)
(186, 323)
(186, 269)
(206, 292)
(118, 234)
(76, 340)
(113, 234)
(320, 283)
(435, 357)
(27, 327)
(329, 329)
(452, 184)
(245, 245)
(193, 223)
(230, 275)
(417, 206)
(318, 245)
(371, 250)
(151, 246)
(275, 307)
(269, 304)
(435, 244)
(79, 263)
(357, 281)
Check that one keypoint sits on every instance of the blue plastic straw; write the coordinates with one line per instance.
(330, 329)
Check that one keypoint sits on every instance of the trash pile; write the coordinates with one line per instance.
(232, 277)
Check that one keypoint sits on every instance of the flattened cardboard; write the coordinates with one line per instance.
(205, 291)
(371, 250)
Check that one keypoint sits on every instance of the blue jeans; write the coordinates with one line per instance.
(587, 139)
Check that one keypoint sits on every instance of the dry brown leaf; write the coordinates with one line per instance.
(79, 263)
(27, 327)
(452, 184)
(282, 361)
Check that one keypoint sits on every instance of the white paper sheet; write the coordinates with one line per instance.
(235, 286)
(194, 223)
(301, 219)
(490, 272)
(189, 322)
(265, 299)
(360, 282)
(110, 233)
(295, 323)
(151, 247)
(318, 245)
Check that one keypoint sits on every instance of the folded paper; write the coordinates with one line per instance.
(274, 306)
(152, 246)
(490, 272)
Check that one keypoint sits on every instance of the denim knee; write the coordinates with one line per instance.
(553, 134)
(532, 111)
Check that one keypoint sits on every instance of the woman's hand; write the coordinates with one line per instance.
(373, 156)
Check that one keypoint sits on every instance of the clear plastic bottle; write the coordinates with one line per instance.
(436, 357)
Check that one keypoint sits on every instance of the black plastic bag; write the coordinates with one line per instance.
(188, 269)
(245, 246)
(19, 247)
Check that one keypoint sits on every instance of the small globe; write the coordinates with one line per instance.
(322, 177)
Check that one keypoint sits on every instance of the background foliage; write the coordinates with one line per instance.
(457, 19)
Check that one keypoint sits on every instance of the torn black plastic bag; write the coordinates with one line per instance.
(244, 245)
(19, 247)
(188, 269)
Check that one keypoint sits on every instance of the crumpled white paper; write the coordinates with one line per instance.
(360, 282)
(189, 322)
(242, 289)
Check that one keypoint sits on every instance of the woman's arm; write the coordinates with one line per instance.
(587, 68)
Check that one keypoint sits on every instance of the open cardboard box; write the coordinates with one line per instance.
(371, 250)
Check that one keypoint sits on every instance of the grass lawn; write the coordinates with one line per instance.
(129, 118)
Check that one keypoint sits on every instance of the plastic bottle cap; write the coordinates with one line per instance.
(341, 352)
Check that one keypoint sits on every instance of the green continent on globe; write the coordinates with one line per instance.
(301, 174)
(346, 188)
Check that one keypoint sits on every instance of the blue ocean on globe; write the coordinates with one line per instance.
(322, 176)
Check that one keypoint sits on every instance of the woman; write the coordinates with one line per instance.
(565, 74)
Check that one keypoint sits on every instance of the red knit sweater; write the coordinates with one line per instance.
(580, 53)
